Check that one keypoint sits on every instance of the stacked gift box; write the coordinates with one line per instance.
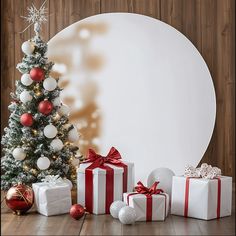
(102, 180)
(202, 193)
(150, 204)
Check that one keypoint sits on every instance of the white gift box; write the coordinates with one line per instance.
(52, 199)
(158, 210)
(201, 198)
(99, 185)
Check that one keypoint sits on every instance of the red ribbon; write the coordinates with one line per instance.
(113, 157)
(186, 202)
(148, 192)
(140, 188)
(186, 197)
(218, 198)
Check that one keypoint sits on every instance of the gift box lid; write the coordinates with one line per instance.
(203, 179)
(83, 166)
(139, 195)
(50, 186)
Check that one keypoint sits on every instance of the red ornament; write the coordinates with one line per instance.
(45, 107)
(20, 198)
(26, 119)
(37, 74)
(77, 211)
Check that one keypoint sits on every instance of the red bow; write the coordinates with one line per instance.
(113, 157)
(140, 188)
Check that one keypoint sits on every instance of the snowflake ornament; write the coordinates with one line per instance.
(36, 17)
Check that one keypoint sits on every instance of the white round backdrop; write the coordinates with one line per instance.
(150, 86)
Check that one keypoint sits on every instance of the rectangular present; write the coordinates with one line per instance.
(148, 208)
(201, 198)
(103, 186)
(52, 199)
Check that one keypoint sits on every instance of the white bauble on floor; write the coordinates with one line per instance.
(164, 176)
(115, 207)
(127, 215)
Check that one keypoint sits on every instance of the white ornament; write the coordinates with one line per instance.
(115, 208)
(64, 110)
(127, 215)
(164, 176)
(27, 48)
(49, 84)
(43, 163)
(57, 144)
(19, 154)
(56, 102)
(73, 135)
(25, 97)
(50, 131)
(26, 80)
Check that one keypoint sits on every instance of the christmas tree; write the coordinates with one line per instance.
(39, 139)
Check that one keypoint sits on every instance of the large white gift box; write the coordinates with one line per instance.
(148, 208)
(201, 198)
(52, 199)
(105, 185)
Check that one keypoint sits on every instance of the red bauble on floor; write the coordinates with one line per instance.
(77, 211)
(20, 198)
(37, 74)
(26, 119)
(45, 107)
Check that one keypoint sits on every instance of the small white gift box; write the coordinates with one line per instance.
(150, 204)
(52, 199)
(154, 209)
(103, 187)
(201, 198)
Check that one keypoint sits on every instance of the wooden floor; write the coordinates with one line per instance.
(36, 224)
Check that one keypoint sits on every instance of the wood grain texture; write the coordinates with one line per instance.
(33, 223)
(173, 225)
(36, 224)
(209, 24)
(7, 61)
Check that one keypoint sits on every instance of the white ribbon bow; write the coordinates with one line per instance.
(205, 171)
(53, 180)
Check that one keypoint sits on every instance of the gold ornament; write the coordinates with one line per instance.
(73, 176)
(34, 172)
(56, 117)
(35, 132)
(25, 168)
(36, 86)
(38, 93)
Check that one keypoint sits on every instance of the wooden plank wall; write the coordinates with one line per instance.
(209, 24)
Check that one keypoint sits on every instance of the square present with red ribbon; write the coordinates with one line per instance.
(102, 180)
(201, 198)
(150, 204)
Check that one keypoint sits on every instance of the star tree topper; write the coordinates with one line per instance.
(36, 17)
